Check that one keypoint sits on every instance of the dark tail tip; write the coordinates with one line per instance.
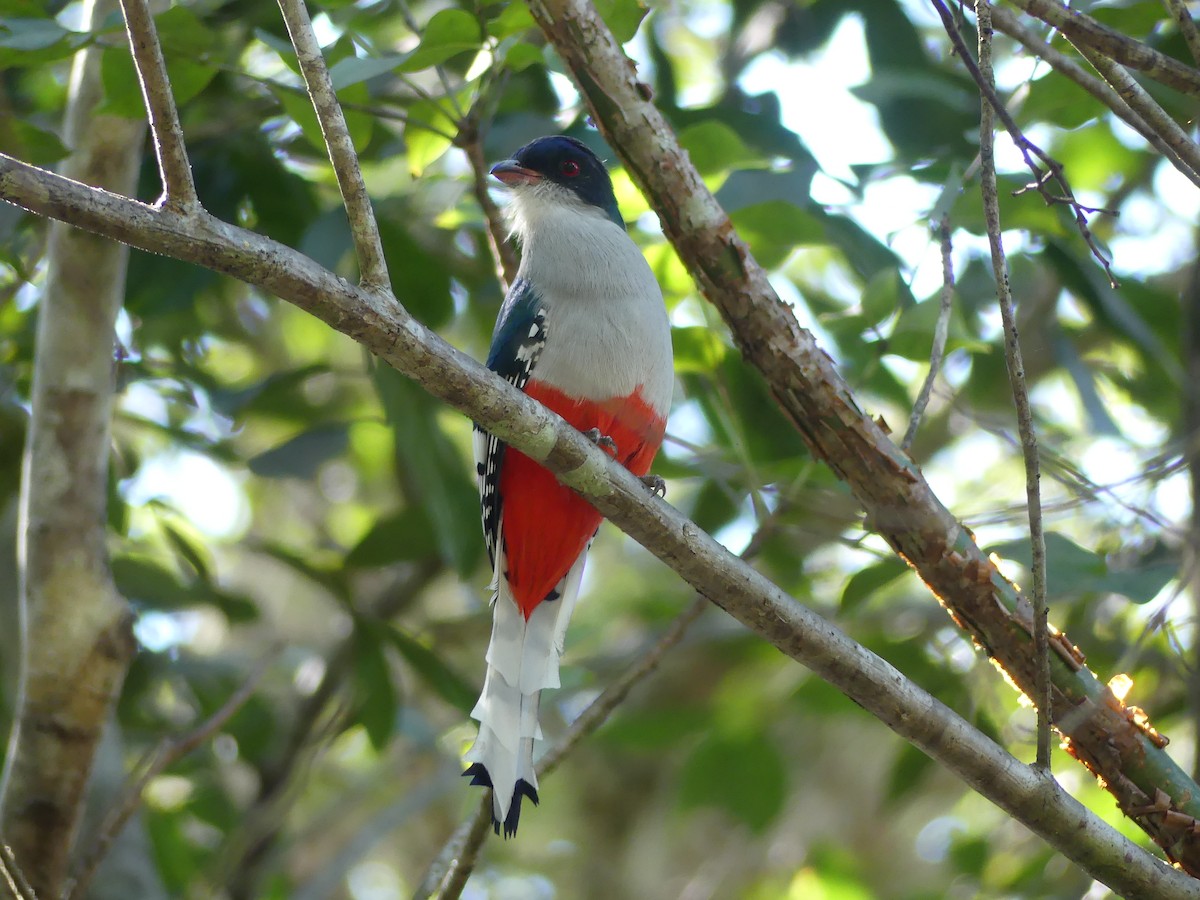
(479, 776)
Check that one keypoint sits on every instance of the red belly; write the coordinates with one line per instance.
(545, 525)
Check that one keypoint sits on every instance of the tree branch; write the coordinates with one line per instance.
(1011, 24)
(1187, 26)
(1100, 730)
(470, 139)
(1084, 31)
(365, 233)
(179, 190)
(76, 639)
(1020, 392)
(1054, 171)
(14, 878)
(391, 334)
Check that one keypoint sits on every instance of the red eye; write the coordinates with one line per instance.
(569, 167)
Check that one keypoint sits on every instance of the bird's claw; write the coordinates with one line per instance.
(655, 484)
(603, 441)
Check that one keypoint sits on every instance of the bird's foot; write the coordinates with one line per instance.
(655, 484)
(603, 441)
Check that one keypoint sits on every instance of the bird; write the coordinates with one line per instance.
(584, 330)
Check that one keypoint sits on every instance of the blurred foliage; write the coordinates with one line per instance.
(271, 487)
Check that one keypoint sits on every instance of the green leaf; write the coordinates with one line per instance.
(775, 228)
(375, 695)
(332, 580)
(405, 536)
(191, 550)
(449, 33)
(622, 16)
(299, 109)
(30, 34)
(29, 143)
(446, 682)
(743, 775)
(424, 145)
(145, 580)
(865, 582)
(655, 729)
(1072, 570)
(714, 147)
(904, 777)
(697, 349)
(514, 18)
(26, 40)
(123, 92)
(433, 471)
(520, 55)
(885, 294)
(302, 455)
(748, 187)
(354, 69)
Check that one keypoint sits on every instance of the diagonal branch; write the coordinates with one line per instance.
(1020, 392)
(1054, 171)
(179, 190)
(14, 878)
(1100, 730)
(367, 245)
(397, 339)
(1152, 129)
(1084, 31)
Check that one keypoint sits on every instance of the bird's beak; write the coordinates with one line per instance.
(513, 174)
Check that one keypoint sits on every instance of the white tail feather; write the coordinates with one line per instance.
(522, 660)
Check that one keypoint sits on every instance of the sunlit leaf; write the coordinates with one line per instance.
(448, 33)
(302, 455)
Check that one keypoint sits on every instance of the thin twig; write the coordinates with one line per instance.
(940, 331)
(179, 190)
(449, 873)
(1011, 24)
(1020, 391)
(13, 876)
(411, 22)
(470, 139)
(1054, 170)
(1084, 31)
(367, 245)
(1187, 26)
(167, 754)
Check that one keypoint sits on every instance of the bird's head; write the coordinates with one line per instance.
(558, 170)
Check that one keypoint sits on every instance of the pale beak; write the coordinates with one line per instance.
(511, 173)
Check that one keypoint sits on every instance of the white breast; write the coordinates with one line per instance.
(607, 332)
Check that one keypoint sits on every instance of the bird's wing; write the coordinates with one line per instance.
(517, 342)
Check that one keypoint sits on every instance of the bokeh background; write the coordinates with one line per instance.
(280, 503)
